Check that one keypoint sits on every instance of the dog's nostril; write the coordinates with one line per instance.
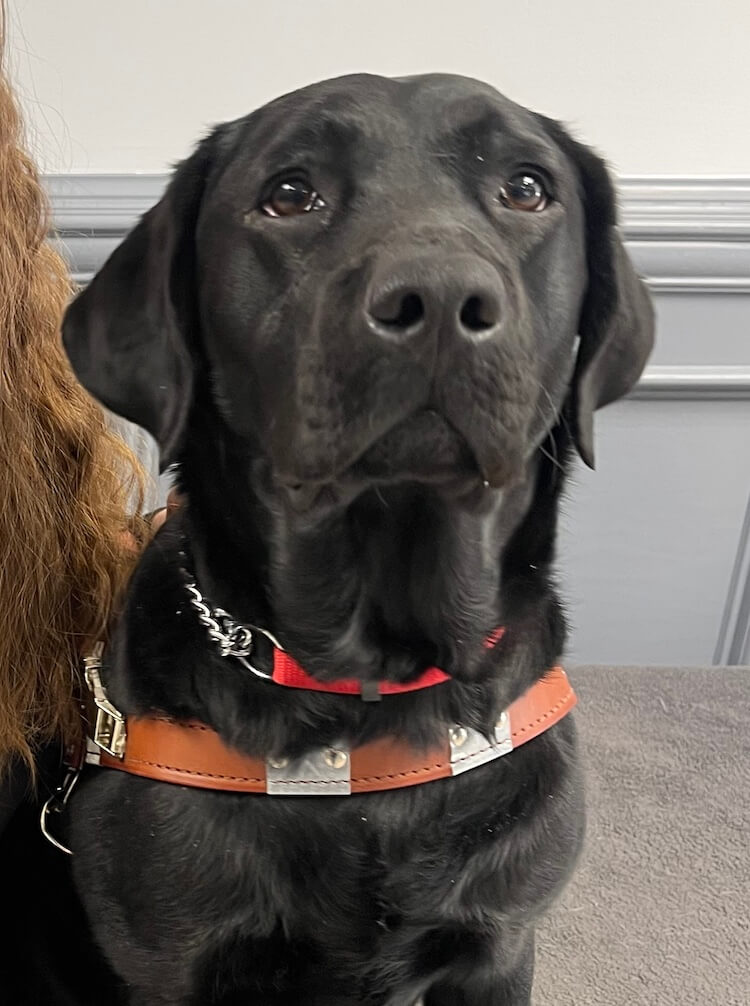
(399, 312)
(478, 314)
(412, 311)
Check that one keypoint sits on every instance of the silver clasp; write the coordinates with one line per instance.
(109, 729)
(56, 804)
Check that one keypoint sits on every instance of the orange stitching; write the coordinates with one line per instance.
(401, 775)
(545, 716)
(187, 771)
(177, 723)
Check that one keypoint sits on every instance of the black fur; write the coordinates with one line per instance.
(335, 486)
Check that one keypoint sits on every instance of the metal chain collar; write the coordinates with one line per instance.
(231, 638)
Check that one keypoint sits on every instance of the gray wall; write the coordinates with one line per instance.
(655, 545)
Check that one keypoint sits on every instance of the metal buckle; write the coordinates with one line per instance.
(56, 803)
(110, 732)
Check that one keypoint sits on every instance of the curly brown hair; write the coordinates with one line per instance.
(66, 480)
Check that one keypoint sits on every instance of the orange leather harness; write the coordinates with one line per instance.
(192, 754)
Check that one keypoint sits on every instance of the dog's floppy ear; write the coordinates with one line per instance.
(128, 333)
(616, 326)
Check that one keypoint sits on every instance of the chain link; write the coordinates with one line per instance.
(231, 638)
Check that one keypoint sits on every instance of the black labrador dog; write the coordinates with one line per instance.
(370, 323)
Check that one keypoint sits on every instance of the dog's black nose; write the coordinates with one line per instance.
(462, 293)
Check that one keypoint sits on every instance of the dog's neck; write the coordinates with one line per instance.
(400, 578)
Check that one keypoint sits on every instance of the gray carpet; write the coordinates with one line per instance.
(658, 912)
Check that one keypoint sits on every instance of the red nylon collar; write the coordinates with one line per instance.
(287, 671)
(235, 639)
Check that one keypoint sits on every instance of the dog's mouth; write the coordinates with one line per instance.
(424, 448)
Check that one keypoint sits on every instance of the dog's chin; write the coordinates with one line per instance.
(424, 449)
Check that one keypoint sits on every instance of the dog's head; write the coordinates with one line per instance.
(380, 280)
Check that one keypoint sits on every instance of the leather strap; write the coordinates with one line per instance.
(192, 754)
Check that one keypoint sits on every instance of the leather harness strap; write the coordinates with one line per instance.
(192, 754)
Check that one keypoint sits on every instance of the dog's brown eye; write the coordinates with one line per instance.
(291, 197)
(524, 191)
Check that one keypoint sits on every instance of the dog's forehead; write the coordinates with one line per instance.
(420, 93)
(457, 99)
(393, 108)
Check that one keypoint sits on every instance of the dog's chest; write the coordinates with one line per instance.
(347, 870)
(299, 889)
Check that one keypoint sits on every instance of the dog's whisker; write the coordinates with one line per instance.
(382, 498)
(557, 416)
(557, 412)
(549, 457)
(553, 407)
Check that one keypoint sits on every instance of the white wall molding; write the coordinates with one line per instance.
(101, 204)
(685, 234)
(691, 266)
(652, 208)
(694, 383)
(661, 208)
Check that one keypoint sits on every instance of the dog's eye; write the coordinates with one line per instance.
(290, 197)
(524, 191)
